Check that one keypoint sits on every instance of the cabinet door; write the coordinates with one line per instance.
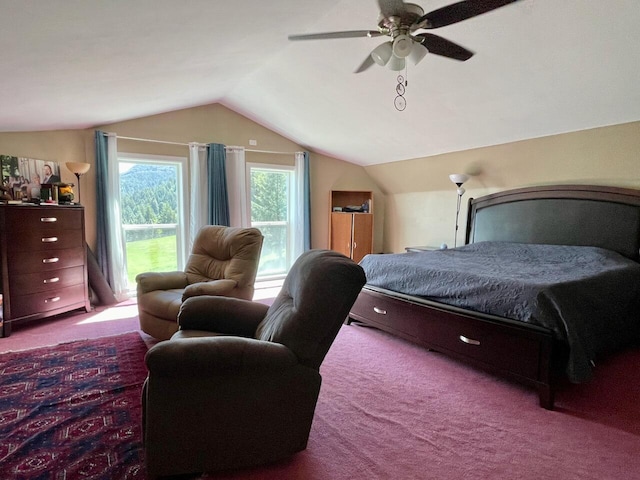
(362, 235)
(341, 233)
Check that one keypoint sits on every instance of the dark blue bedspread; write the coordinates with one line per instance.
(588, 296)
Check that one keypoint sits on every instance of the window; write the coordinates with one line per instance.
(272, 194)
(153, 213)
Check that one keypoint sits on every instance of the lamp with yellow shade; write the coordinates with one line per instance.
(78, 168)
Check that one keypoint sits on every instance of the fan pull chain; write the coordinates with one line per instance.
(400, 102)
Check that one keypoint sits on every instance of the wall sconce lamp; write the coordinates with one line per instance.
(78, 168)
(458, 179)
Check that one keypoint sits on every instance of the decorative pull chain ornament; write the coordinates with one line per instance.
(400, 102)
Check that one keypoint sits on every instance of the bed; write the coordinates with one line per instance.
(548, 282)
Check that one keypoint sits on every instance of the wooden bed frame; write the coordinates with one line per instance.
(607, 217)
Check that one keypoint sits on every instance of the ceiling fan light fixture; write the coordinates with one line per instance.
(402, 46)
(400, 21)
(382, 53)
(418, 52)
(396, 63)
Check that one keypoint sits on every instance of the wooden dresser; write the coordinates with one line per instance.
(43, 262)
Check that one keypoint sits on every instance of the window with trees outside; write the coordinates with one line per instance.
(152, 210)
(272, 190)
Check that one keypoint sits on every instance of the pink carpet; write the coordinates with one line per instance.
(392, 410)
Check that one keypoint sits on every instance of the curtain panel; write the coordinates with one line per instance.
(237, 187)
(110, 242)
(218, 195)
(198, 181)
(303, 207)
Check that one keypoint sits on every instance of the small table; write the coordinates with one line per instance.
(423, 248)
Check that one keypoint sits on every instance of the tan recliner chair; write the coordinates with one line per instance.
(237, 386)
(223, 261)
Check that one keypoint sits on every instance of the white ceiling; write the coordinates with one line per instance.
(541, 67)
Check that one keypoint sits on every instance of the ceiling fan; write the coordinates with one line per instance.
(401, 21)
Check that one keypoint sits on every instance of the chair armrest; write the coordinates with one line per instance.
(149, 281)
(225, 315)
(219, 356)
(214, 287)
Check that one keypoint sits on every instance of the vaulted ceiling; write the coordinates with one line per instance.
(541, 67)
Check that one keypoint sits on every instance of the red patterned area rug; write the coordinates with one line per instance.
(72, 411)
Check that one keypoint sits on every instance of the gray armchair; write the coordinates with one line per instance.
(237, 385)
(224, 261)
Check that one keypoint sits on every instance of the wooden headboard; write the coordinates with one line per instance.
(598, 216)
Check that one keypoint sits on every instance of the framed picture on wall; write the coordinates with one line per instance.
(22, 177)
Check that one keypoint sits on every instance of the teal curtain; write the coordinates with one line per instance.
(102, 217)
(217, 186)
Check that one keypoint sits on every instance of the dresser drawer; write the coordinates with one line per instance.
(42, 219)
(37, 303)
(45, 240)
(41, 261)
(27, 283)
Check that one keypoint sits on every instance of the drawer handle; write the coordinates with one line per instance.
(48, 219)
(52, 300)
(50, 260)
(379, 310)
(51, 280)
(49, 239)
(469, 341)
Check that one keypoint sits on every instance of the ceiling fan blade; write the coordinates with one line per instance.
(389, 8)
(443, 47)
(368, 62)
(348, 34)
(457, 12)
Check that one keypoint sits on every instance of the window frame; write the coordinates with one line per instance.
(291, 205)
(182, 164)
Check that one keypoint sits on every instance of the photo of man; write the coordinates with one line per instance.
(49, 176)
